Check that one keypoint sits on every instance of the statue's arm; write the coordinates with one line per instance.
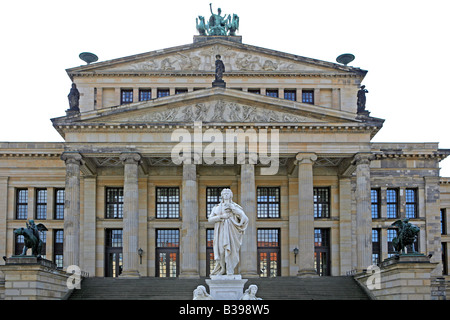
(214, 217)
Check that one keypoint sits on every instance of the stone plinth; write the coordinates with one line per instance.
(405, 277)
(226, 287)
(32, 278)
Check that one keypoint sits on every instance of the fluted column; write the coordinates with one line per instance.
(72, 209)
(249, 259)
(130, 214)
(305, 163)
(363, 212)
(189, 267)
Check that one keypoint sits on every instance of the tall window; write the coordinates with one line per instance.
(411, 203)
(126, 96)
(443, 221)
(59, 204)
(376, 246)
(268, 202)
(167, 202)
(290, 95)
(145, 94)
(375, 203)
(272, 93)
(163, 93)
(22, 204)
(308, 96)
(212, 198)
(268, 243)
(392, 203)
(41, 204)
(321, 202)
(114, 203)
(58, 243)
(391, 234)
(113, 252)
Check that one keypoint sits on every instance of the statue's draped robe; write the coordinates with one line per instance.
(228, 236)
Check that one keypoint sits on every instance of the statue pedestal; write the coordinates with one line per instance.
(226, 287)
(219, 83)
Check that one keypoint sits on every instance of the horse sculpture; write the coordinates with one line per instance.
(233, 25)
(407, 235)
(31, 237)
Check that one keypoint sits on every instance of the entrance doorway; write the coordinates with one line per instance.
(269, 252)
(322, 251)
(113, 252)
(167, 252)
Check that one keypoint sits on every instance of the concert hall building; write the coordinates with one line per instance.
(116, 203)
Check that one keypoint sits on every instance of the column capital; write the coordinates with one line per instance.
(304, 157)
(71, 157)
(130, 157)
(363, 158)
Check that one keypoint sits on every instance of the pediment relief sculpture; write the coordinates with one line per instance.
(203, 60)
(217, 112)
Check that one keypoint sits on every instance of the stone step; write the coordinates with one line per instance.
(280, 288)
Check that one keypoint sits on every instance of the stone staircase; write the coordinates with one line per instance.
(280, 288)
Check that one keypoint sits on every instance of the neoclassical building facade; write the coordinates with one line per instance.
(144, 159)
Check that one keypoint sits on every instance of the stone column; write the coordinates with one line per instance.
(363, 212)
(130, 214)
(305, 163)
(72, 209)
(189, 266)
(89, 224)
(248, 263)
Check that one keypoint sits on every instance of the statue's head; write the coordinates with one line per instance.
(218, 57)
(31, 221)
(253, 288)
(219, 10)
(226, 194)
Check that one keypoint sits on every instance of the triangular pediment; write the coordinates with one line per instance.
(215, 106)
(200, 57)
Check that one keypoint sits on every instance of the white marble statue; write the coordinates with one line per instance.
(201, 294)
(230, 224)
(250, 293)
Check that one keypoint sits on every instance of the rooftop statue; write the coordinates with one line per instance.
(361, 101)
(31, 237)
(407, 235)
(230, 225)
(74, 98)
(218, 25)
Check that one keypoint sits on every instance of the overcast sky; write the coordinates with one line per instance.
(403, 44)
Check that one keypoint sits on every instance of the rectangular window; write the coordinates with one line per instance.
(180, 90)
(290, 95)
(212, 198)
(268, 202)
(167, 202)
(308, 96)
(22, 204)
(163, 93)
(392, 203)
(272, 93)
(376, 246)
(268, 247)
(41, 204)
(254, 91)
(167, 238)
(145, 94)
(322, 259)
(59, 204)
(114, 203)
(411, 203)
(443, 221)
(126, 96)
(210, 262)
(58, 248)
(321, 202)
(114, 238)
(375, 203)
(391, 234)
